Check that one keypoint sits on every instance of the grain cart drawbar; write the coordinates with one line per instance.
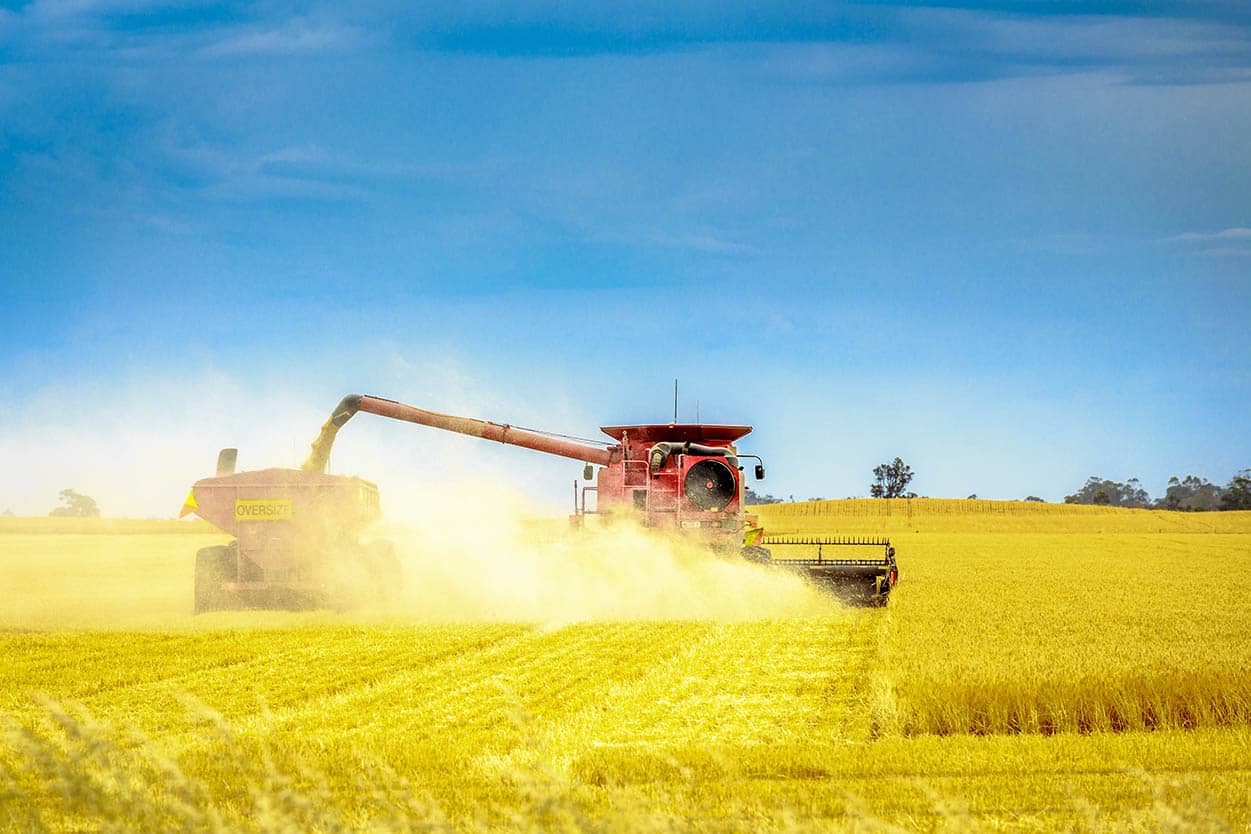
(293, 527)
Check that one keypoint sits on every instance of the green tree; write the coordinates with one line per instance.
(1035, 498)
(1098, 490)
(892, 480)
(76, 505)
(1191, 493)
(751, 497)
(1237, 494)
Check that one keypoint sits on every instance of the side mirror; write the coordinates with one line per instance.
(588, 472)
(760, 472)
(226, 460)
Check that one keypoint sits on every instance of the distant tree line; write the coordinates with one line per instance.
(76, 505)
(1188, 494)
(750, 496)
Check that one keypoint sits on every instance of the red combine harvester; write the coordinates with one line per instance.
(294, 526)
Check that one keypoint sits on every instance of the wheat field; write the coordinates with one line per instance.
(1039, 668)
(1137, 622)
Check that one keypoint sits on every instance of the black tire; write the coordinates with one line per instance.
(214, 567)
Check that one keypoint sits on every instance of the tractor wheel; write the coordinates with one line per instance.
(214, 567)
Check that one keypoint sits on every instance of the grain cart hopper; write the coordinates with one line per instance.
(676, 477)
(297, 540)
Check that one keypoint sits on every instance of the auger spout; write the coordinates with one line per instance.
(319, 455)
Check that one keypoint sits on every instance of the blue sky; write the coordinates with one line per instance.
(1010, 242)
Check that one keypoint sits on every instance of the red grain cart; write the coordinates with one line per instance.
(297, 540)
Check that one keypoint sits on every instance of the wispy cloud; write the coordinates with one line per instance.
(137, 30)
(951, 45)
(1225, 252)
(709, 244)
(1234, 242)
(1236, 233)
(298, 36)
(1158, 43)
(317, 164)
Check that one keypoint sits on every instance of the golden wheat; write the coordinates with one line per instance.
(1038, 631)
(950, 710)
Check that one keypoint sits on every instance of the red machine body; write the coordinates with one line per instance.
(668, 476)
(682, 487)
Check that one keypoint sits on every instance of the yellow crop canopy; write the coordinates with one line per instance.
(189, 506)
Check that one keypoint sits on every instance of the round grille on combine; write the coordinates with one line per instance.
(710, 484)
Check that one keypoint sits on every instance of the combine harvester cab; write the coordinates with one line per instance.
(297, 540)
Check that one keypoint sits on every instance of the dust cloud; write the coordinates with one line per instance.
(467, 553)
(473, 552)
(475, 526)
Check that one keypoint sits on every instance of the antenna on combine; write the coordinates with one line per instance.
(675, 400)
(697, 413)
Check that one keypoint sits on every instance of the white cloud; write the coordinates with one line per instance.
(962, 45)
(1234, 239)
(1237, 233)
(298, 36)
